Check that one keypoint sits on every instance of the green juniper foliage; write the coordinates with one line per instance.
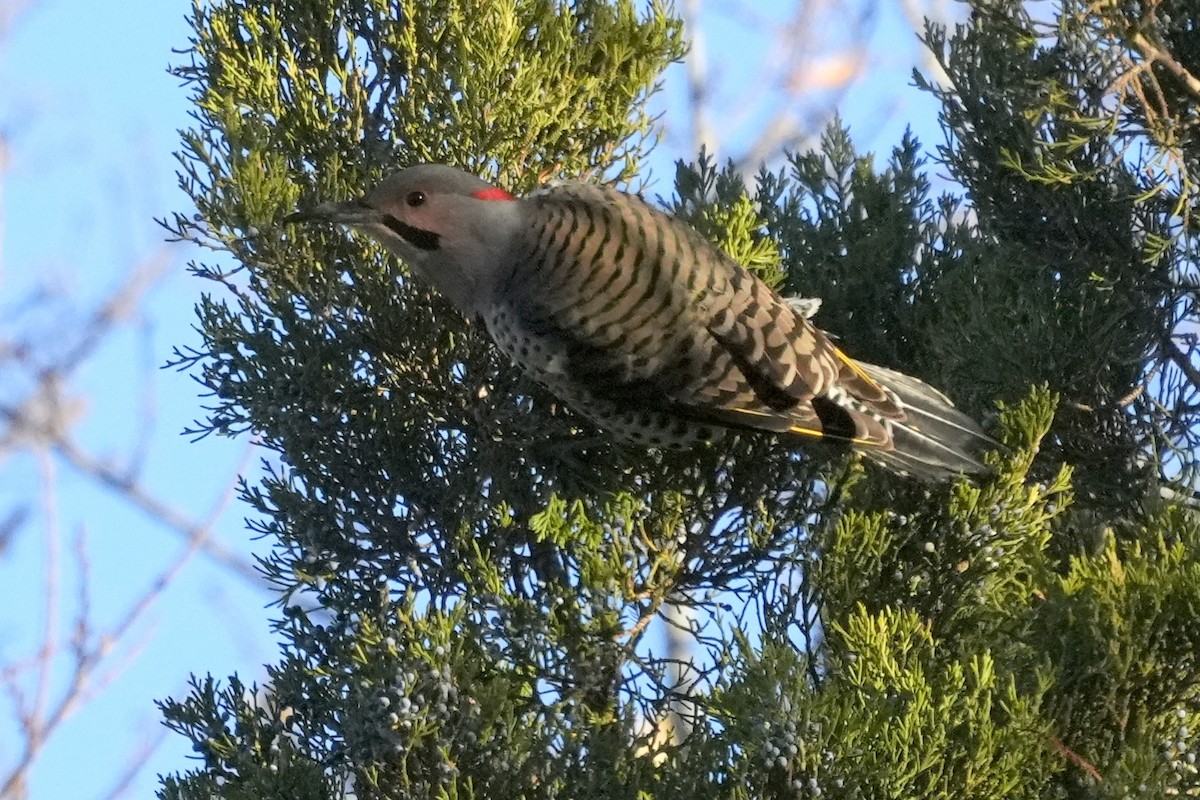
(469, 575)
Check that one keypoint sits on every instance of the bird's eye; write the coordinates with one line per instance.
(415, 199)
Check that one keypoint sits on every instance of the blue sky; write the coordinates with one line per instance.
(91, 118)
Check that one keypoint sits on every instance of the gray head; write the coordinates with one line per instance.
(449, 226)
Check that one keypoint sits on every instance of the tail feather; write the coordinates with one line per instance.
(936, 441)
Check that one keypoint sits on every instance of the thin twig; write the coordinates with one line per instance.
(1156, 54)
(1172, 351)
(135, 493)
(137, 763)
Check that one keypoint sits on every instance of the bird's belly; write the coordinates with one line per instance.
(627, 420)
(534, 354)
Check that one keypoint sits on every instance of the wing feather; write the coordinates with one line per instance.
(635, 309)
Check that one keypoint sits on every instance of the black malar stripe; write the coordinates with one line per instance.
(420, 239)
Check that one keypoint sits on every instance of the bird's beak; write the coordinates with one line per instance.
(349, 212)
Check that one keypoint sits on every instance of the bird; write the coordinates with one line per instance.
(636, 321)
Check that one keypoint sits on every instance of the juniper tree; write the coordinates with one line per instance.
(468, 573)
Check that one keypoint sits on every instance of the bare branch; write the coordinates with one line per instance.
(69, 666)
(9, 11)
(1181, 360)
(129, 488)
(90, 649)
(1151, 52)
(137, 762)
(697, 78)
(3, 169)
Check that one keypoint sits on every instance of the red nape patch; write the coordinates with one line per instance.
(492, 193)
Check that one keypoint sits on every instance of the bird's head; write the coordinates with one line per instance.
(450, 227)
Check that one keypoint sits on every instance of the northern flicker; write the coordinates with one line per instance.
(636, 321)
